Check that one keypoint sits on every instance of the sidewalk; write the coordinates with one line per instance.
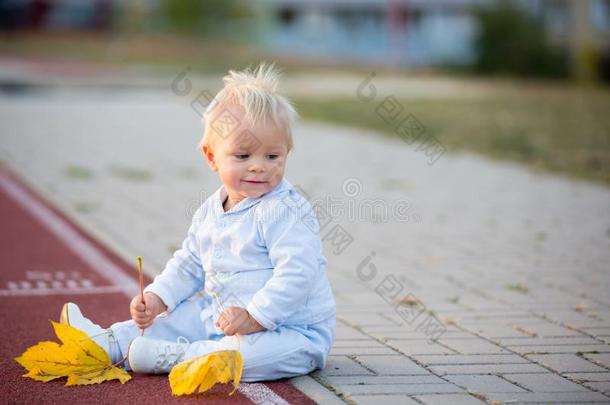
(471, 280)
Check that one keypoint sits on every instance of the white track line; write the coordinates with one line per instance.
(86, 251)
(261, 394)
(80, 246)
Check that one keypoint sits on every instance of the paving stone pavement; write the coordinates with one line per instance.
(465, 281)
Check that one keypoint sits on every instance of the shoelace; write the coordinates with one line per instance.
(171, 355)
(113, 346)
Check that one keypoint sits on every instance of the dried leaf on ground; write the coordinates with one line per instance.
(204, 372)
(78, 358)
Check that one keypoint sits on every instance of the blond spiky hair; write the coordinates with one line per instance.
(256, 92)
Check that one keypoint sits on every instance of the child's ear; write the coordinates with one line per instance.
(209, 157)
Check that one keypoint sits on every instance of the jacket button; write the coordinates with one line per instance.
(218, 253)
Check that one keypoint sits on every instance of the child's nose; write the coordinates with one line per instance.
(257, 165)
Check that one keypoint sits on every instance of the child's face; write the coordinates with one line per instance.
(250, 160)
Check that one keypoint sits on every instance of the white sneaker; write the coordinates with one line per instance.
(71, 315)
(153, 356)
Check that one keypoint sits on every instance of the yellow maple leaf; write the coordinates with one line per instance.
(205, 371)
(78, 357)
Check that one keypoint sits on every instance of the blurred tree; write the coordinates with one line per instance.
(512, 41)
(183, 15)
(200, 15)
(584, 55)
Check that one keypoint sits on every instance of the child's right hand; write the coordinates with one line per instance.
(144, 315)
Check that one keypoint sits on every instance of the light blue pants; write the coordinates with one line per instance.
(288, 351)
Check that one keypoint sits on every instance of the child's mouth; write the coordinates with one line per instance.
(254, 182)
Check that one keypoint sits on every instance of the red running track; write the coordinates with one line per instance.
(47, 260)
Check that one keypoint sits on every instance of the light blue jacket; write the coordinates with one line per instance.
(264, 254)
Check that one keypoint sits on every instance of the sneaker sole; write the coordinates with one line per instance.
(129, 350)
(63, 316)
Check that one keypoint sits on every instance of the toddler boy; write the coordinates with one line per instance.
(250, 275)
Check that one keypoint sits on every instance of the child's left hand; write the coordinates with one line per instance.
(237, 320)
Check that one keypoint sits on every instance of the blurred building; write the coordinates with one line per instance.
(409, 33)
(414, 32)
(56, 14)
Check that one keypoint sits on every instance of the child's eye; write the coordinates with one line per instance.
(273, 156)
(242, 156)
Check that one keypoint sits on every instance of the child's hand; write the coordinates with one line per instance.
(144, 315)
(237, 320)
